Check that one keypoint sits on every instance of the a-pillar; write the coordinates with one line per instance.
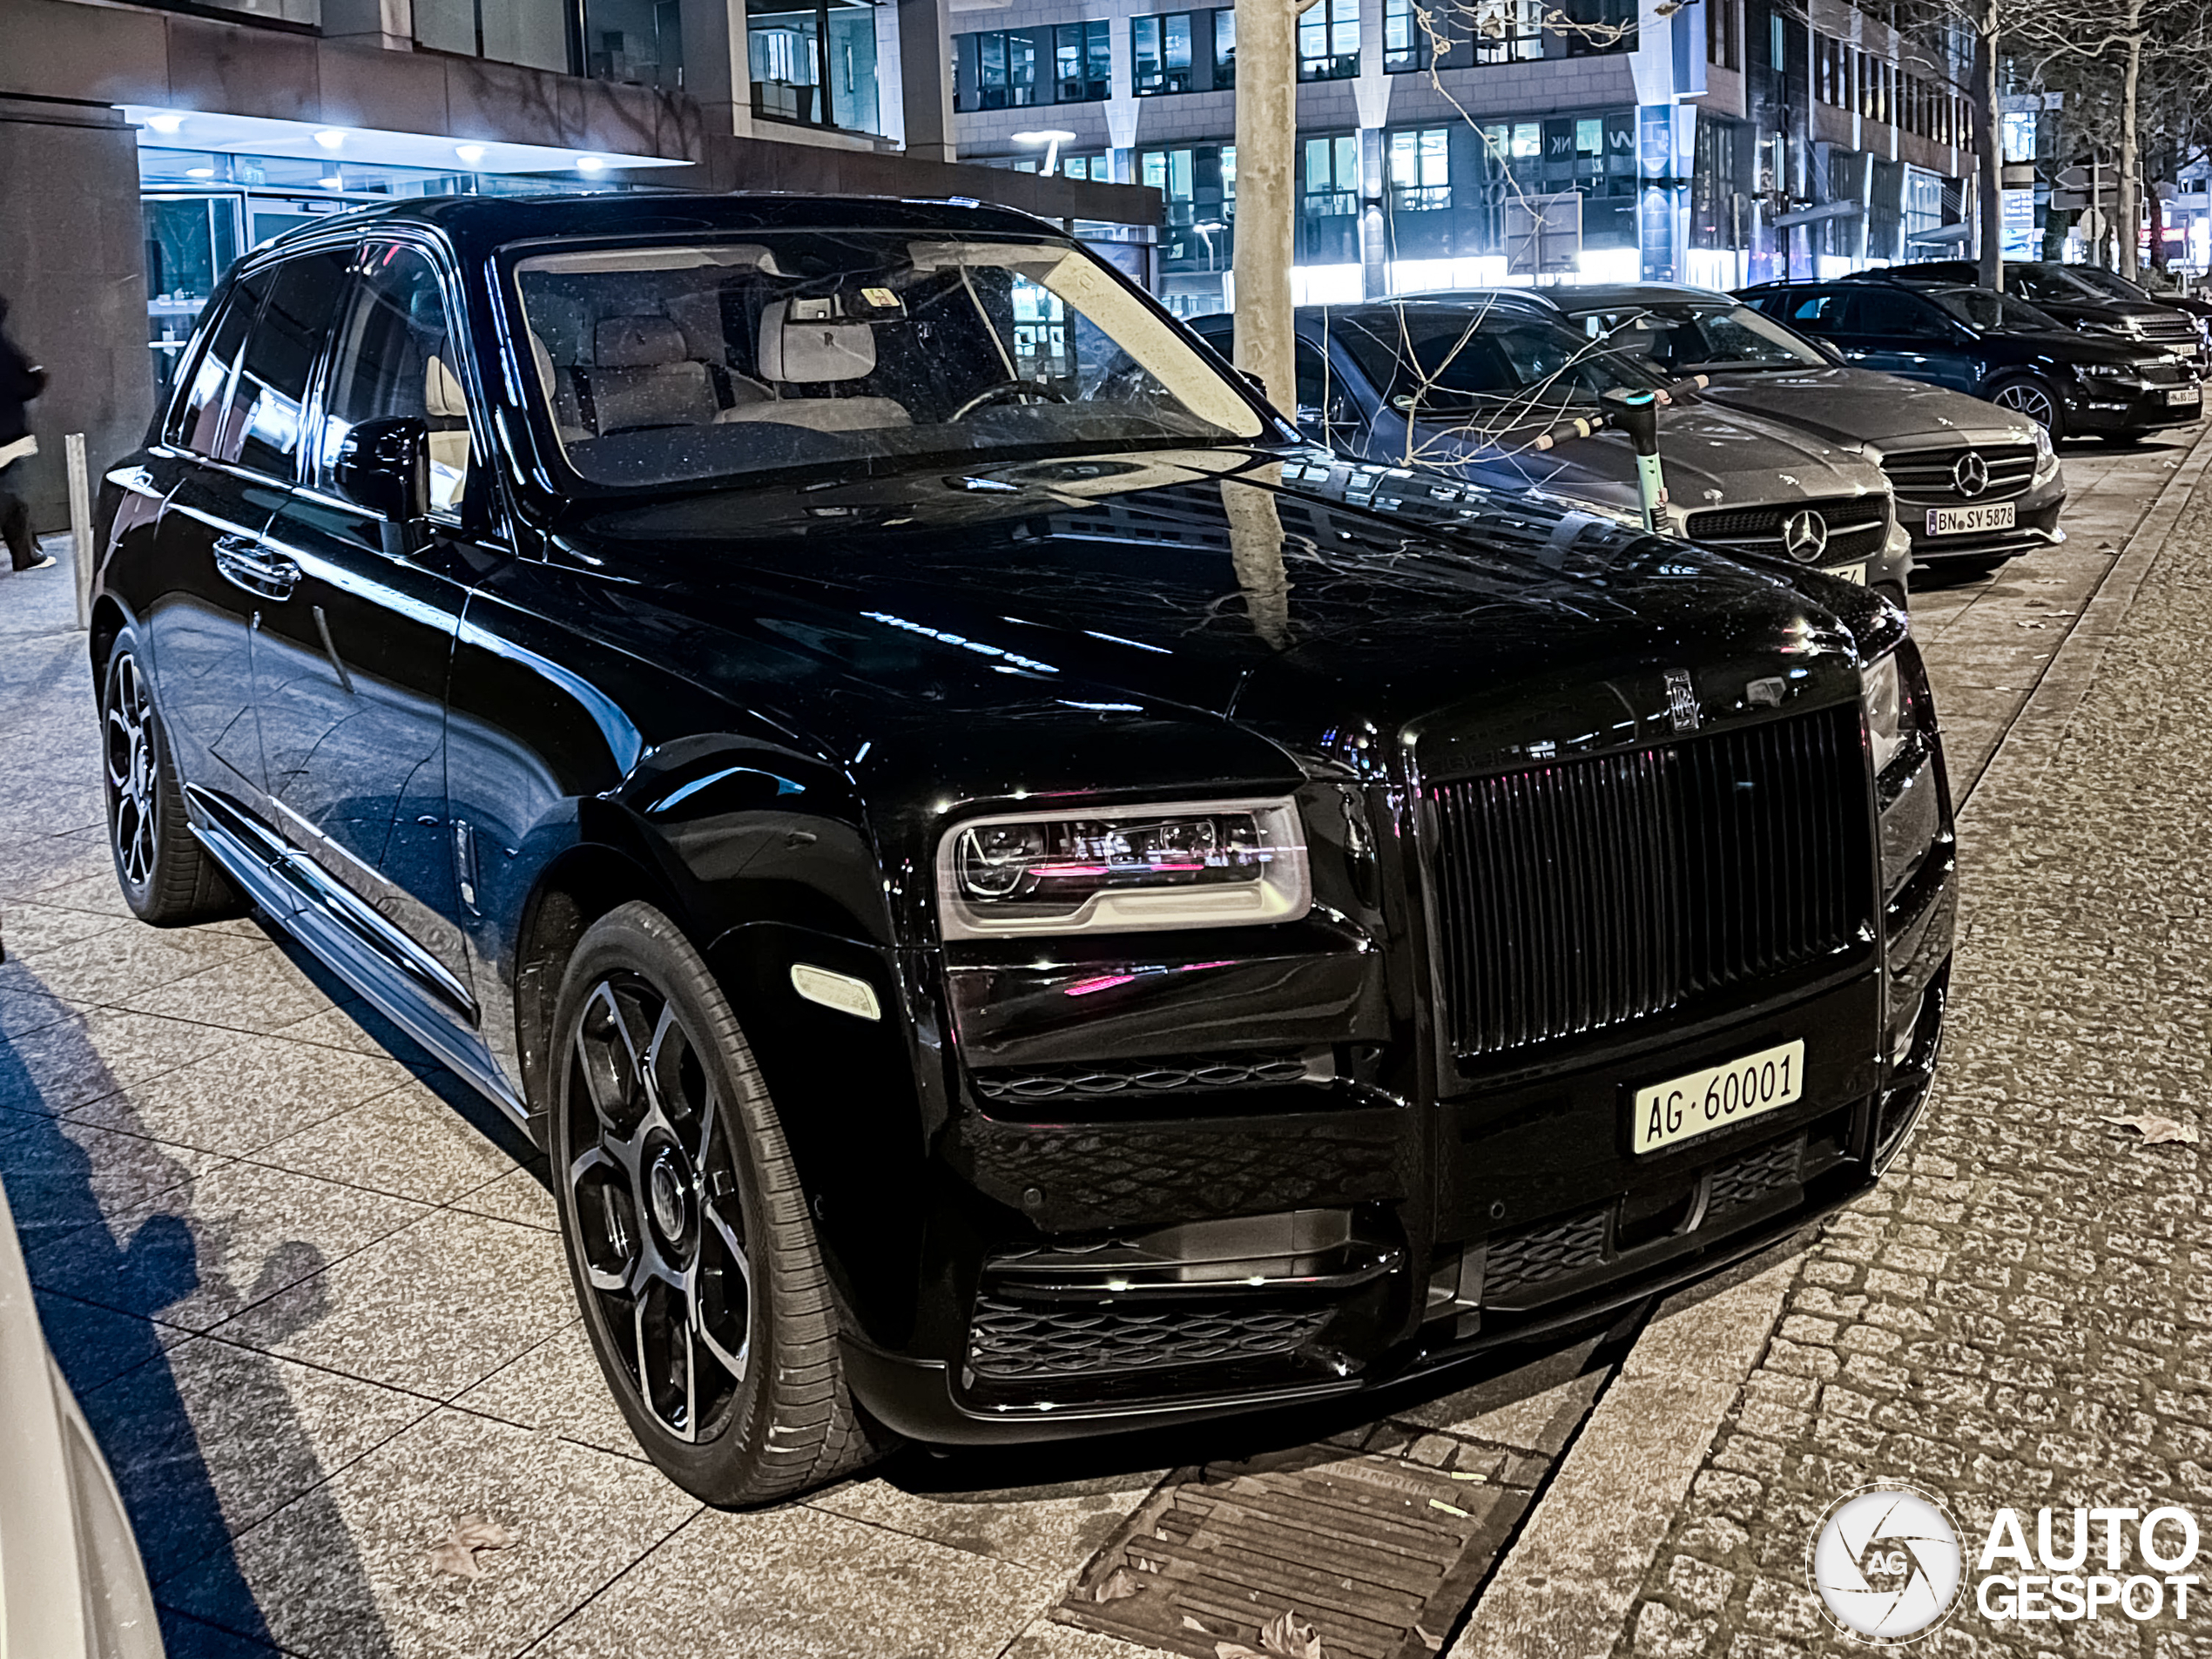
(72, 267)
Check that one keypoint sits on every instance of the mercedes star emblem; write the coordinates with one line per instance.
(1971, 475)
(1805, 535)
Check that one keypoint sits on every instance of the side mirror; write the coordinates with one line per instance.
(383, 465)
(1829, 349)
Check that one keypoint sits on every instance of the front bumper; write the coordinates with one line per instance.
(1510, 1214)
(2037, 511)
(2128, 406)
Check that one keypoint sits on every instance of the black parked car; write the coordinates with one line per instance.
(2067, 292)
(1021, 899)
(1994, 346)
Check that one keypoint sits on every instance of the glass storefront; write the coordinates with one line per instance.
(202, 209)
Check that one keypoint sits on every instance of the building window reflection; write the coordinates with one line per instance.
(815, 65)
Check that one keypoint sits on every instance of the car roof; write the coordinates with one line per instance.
(476, 225)
(1591, 296)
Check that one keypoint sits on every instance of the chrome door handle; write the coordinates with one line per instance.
(245, 563)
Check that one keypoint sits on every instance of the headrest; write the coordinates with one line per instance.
(807, 352)
(543, 359)
(442, 398)
(640, 342)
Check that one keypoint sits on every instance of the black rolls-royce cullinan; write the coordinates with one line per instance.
(1021, 899)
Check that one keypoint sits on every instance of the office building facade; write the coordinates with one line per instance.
(1719, 141)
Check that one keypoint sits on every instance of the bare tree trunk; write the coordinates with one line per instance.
(2157, 227)
(1989, 148)
(2131, 161)
(1266, 194)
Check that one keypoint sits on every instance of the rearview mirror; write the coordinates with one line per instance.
(383, 465)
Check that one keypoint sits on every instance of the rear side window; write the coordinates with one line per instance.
(280, 352)
(1815, 314)
(1878, 313)
(202, 423)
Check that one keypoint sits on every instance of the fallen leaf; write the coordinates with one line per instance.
(1288, 1636)
(1189, 1623)
(1119, 1583)
(456, 1554)
(481, 1531)
(2157, 1131)
(1448, 1508)
(1468, 1475)
(1433, 1643)
(456, 1560)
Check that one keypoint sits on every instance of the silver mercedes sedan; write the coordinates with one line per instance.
(1485, 386)
(1976, 485)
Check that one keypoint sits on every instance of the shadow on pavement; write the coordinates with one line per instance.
(114, 1361)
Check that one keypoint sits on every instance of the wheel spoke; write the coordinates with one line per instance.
(721, 1295)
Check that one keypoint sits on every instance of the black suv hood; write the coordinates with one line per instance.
(1273, 594)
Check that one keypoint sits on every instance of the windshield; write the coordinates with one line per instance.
(1986, 309)
(1686, 338)
(675, 363)
(2106, 285)
(1504, 364)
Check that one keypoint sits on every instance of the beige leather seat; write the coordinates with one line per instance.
(445, 403)
(643, 375)
(812, 354)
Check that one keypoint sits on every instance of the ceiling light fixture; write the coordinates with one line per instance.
(167, 121)
(589, 163)
(471, 154)
(200, 172)
(330, 138)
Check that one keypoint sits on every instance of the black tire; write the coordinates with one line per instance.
(166, 876)
(689, 1243)
(2036, 397)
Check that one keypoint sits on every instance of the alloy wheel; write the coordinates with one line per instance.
(2030, 400)
(653, 1187)
(130, 778)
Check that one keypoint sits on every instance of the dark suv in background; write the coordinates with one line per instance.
(1021, 899)
(2066, 293)
(1994, 346)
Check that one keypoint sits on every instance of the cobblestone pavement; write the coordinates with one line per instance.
(2018, 1315)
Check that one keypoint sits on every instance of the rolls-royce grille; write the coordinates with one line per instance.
(1587, 894)
(1933, 475)
(1854, 526)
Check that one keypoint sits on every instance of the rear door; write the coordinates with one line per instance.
(1899, 332)
(199, 608)
(351, 668)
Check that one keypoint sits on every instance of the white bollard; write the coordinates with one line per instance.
(80, 523)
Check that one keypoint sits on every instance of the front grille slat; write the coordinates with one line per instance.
(1584, 895)
(1929, 476)
(1858, 525)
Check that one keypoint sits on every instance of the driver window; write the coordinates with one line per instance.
(1891, 313)
(396, 356)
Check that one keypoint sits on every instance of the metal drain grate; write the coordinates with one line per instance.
(1378, 1553)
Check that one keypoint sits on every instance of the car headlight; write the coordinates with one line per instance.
(2107, 371)
(2047, 458)
(1124, 869)
(1889, 712)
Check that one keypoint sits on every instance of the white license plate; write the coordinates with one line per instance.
(1682, 1108)
(1966, 521)
(1848, 573)
(2182, 394)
